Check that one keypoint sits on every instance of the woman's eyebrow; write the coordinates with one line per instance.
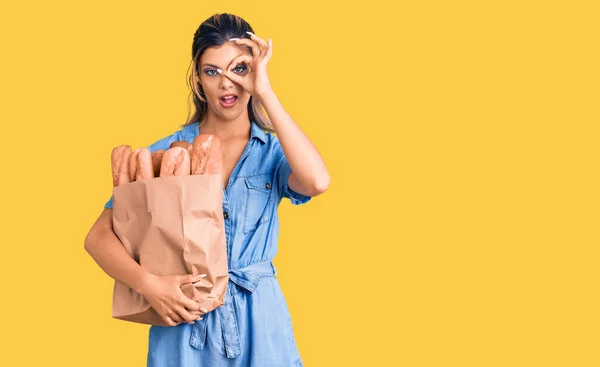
(213, 65)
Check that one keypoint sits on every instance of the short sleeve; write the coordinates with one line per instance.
(283, 172)
(162, 144)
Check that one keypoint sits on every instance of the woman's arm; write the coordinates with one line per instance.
(162, 292)
(107, 250)
(309, 174)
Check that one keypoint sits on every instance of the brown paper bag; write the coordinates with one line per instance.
(172, 226)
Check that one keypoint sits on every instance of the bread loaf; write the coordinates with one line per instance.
(207, 154)
(176, 162)
(120, 164)
(157, 161)
(183, 144)
(133, 164)
(145, 169)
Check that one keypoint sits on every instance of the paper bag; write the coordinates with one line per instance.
(172, 226)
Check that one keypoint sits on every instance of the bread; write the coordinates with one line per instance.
(157, 161)
(175, 162)
(120, 164)
(207, 155)
(133, 164)
(204, 156)
(183, 144)
(145, 169)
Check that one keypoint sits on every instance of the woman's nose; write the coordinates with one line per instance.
(225, 82)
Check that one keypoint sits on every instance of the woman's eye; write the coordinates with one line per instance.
(238, 69)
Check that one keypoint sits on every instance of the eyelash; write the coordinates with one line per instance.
(207, 70)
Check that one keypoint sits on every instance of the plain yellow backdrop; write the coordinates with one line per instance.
(461, 224)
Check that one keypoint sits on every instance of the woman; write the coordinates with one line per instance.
(253, 328)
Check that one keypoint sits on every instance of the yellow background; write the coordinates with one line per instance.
(461, 224)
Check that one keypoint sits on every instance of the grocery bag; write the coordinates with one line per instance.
(171, 225)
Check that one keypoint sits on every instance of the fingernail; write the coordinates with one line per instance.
(203, 309)
(201, 275)
(234, 39)
(250, 33)
(219, 71)
(199, 318)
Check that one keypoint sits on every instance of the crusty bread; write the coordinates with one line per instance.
(120, 164)
(176, 162)
(157, 161)
(207, 154)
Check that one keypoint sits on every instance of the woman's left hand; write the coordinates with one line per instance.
(255, 81)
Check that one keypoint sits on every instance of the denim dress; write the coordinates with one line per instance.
(253, 327)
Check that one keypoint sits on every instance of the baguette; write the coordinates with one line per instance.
(207, 155)
(120, 164)
(134, 164)
(145, 170)
(157, 158)
(183, 144)
(176, 162)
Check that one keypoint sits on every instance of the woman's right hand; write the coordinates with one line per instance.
(166, 298)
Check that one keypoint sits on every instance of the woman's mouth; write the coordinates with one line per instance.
(228, 101)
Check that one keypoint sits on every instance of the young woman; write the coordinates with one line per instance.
(230, 86)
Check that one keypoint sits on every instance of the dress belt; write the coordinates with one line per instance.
(247, 279)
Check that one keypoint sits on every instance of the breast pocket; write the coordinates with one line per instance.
(258, 211)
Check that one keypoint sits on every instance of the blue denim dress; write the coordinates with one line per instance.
(253, 328)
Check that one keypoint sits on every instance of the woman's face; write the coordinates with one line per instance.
(217, 86)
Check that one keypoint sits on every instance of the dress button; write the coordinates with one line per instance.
(225, 215)
(268, 185)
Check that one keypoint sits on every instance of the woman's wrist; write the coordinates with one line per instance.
(265, 96)
(146, 279)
